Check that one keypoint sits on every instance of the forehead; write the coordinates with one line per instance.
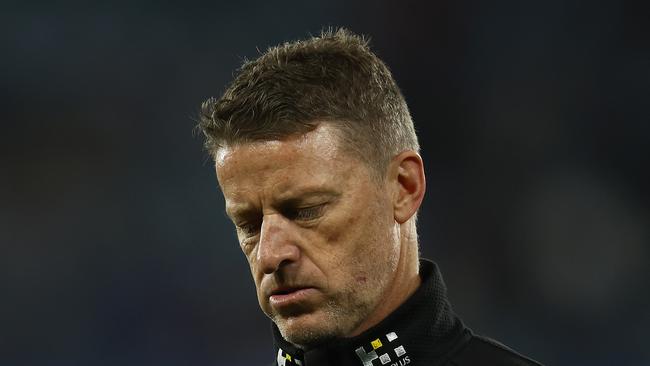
(291, 164)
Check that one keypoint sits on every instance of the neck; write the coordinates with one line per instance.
(405, 281)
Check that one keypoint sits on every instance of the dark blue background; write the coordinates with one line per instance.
(114, 248)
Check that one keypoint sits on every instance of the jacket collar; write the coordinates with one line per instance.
(423, 328)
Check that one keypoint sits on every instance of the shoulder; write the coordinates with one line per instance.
(485, 351)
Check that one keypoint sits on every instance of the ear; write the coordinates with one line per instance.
(406, 176)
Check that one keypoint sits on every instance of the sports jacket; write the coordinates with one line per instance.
(423, 331)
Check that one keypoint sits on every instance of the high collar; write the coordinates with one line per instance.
(422, 328)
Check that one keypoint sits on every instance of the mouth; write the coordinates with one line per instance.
(287, 296)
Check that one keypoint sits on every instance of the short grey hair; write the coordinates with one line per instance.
(291, 88)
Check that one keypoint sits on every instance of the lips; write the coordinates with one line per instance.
(287, 296)
(284, 290)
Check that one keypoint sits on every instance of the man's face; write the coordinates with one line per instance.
(318, 232)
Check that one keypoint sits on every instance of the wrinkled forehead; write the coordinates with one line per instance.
(311, 157)
(325, 135)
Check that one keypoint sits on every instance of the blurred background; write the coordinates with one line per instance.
(114, 246)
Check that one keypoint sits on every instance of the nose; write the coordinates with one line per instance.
(276, 246)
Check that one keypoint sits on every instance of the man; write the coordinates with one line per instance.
(318, 161)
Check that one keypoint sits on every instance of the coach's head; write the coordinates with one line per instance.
(318, 162)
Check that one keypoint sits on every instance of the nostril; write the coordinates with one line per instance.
(285, 262)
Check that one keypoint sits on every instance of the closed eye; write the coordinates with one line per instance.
(305, 213)
(248, 229)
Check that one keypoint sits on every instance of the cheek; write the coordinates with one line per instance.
(251, 264)
(351, 238)
(338, 231)
(255, 273)
(356, 234)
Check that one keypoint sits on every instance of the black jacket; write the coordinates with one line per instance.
(422, 331)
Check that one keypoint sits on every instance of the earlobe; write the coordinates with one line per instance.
(410, 183)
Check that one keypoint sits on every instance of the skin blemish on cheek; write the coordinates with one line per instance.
(334, 236)
(361, 279)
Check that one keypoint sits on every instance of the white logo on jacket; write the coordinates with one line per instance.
(367, 358)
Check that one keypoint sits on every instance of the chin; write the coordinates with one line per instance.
(307, 330)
